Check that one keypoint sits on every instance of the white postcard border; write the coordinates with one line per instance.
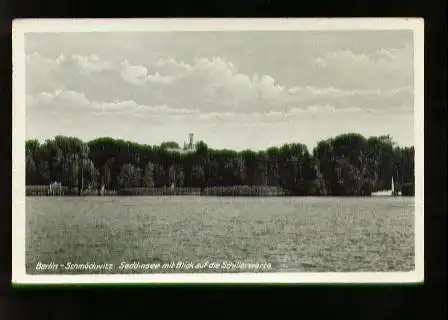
(20, 27)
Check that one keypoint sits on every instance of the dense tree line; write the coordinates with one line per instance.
(349, 164)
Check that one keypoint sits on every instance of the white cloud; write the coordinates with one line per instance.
(58, 100)
(383, 58)
(209, 85)
(385, 69)
(134, 74)
(224, 74)
(68, 100)
(331, 109)
(172, 67)
(89, 64)
(35, 63)
(139, 75)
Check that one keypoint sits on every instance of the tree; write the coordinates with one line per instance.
(148, 176)
(231, 169)
(343, 164)
(403, 168)
(160, 176)
(252, 167)
(43, 170)
(273, 167)
(290, 161)
(348, 179)
(169, 145)
(32, 175)
(348, 164)
(197, 177)
(90, 174)
(71, 167)
(172, 175)
(201, 147)
(179, 177)
(130, 176)
(106, 176)
(260, 174)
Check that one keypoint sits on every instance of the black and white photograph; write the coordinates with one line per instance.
(217, 150)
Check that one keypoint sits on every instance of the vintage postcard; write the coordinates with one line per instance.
(217, 151)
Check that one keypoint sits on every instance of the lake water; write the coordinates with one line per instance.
(294, 234)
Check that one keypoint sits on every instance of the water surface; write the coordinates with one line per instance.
(294, 234)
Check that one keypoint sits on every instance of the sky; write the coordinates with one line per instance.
(233, 90)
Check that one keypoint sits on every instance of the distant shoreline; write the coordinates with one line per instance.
(224, 196)
(218, 191)
(215, 195)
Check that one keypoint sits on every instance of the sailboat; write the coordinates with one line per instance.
(393, 187)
